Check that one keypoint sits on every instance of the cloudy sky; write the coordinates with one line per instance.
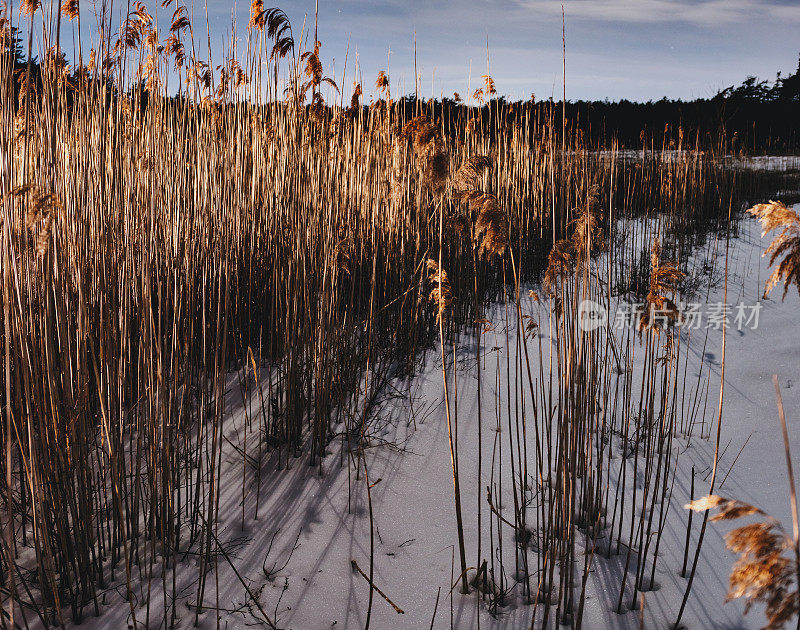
(634, 49)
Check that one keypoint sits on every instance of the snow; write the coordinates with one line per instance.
(767, 162)
(312, 526)
(771, 163)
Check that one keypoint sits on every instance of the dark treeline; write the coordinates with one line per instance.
(754, 117)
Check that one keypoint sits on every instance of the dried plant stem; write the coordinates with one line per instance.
(792, 490)
(397, 608)
(676, 625)
(450, 430)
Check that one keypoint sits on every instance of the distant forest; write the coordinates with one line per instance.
(757, 116)
(763, 115)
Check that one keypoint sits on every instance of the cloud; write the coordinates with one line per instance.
(637, 49)
(696, 12)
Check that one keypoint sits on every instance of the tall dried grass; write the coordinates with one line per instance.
(170, 222)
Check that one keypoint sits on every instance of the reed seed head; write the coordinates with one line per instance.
(776, 216)
(469, 176)
(664, 279)
(488, 85)
(766, 569)
(257, 15)
(29, 7)
(440, 294)
(70, 9)
(429, 146)
(559, 264)
(491, 226)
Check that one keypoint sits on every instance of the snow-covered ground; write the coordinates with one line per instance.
(296, 558)
(780, 163)
(768, 162)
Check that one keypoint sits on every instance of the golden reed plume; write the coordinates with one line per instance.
(664, 279)
(29, 7)
(491, 227)
(257, 15)
(488, 83)
(776, 216)
(587, 234)
(382, 82)
(42, 210)
(440, 294)
(180, 20)
(429, 146)
(469, 176)
(491, 223)
(354, 100)
(70, 9)
(763, 573)
(568, 252)
(559, 264)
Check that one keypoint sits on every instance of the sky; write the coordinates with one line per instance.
(634, 49)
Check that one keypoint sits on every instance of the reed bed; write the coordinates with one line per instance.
(171, 222)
